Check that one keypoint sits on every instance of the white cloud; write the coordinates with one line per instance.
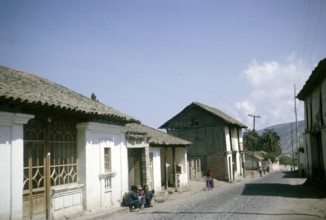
(272, 91)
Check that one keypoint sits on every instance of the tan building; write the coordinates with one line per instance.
(215, 136)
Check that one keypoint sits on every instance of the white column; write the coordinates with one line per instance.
(12, 164)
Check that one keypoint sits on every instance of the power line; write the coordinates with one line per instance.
(83, 64)
(146, 56)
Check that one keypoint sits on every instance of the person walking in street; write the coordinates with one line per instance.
(260, 168)
(209, 180)
(244, 169)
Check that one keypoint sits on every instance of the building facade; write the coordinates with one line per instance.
(60, 153)
(313, 94)
(164, 159)
(216, 139)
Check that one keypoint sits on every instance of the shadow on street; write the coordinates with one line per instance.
(283, 190)
(189, 213)
(292, 174)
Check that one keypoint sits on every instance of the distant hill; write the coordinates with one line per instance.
(284, 131)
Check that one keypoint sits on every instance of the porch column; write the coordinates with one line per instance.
(147, 178)
(174, 170)
(12, 164)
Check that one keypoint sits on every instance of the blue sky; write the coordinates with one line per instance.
(152, 58)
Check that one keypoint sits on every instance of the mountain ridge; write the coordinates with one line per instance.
(284, 131)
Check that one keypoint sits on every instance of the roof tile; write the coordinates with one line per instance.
(156, 137)
(27, 88)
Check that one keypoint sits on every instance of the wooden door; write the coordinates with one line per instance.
(50, 159)
(135, 166)
(34, 191)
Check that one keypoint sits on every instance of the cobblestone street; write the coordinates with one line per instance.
(278, 195)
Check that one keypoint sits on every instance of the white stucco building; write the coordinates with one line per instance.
(63, 153)
(166, 163)
(60, 152)
(11, 164)
(312, 153)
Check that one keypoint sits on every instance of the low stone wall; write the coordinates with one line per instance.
(67, 200)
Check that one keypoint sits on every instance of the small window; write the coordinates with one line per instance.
(107, 160)
(178, 168)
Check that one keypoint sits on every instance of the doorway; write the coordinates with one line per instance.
(50, 159)
(135, 166)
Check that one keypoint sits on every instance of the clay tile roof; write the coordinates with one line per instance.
(221, 114)
(26, 88)
(317, 76)
(156, 137)
(254, 154)
(228, 119)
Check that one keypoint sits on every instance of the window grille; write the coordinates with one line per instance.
(61, 139)
(107, 168)
(107, 160)
(63, 165)
(34, 156)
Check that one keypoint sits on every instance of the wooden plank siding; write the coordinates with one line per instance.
(207, 138)
(215, 138)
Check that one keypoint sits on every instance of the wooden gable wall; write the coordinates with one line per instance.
(206, 133)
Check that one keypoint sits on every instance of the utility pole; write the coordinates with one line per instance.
(292, 167)
(254, 117)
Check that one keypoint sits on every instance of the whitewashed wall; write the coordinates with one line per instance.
(11, 164)
(234, 148)
(181, 160)
(229, 160)
(91, 140)
(157, 182)
(227, 139)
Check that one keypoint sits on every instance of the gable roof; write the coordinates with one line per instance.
(216, 112)
(254, 155)
(36, 92)
(156, 137)
(317, 76)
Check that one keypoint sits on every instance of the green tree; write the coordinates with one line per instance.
(251, 140)
(93, 97)
(286, 160)
(270, 142)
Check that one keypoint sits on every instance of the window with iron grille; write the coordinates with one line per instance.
(57, 139)
(107, 160)
(62, 141)
(107, 168)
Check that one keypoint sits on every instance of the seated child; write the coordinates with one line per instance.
(148, 196)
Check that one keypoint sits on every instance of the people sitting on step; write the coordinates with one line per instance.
(148, 196)
(132, 200)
